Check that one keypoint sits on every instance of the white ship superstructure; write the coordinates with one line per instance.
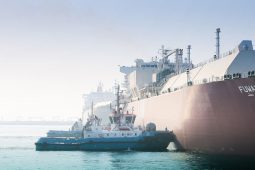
(101, 101)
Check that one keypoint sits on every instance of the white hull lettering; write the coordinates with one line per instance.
(247, 89)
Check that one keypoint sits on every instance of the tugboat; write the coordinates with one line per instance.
(120, 135)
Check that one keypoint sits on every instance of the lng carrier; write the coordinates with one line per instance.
(210, 106)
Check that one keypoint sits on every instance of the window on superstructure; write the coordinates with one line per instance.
(111, 120)
(128, 119)
(133, 120)
(116, 119)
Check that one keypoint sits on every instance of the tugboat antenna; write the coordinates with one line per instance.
(118, 99)
(92, 108)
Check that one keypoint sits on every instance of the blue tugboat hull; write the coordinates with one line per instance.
(156, 141)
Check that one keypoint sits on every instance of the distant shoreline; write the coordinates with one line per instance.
(36, 122)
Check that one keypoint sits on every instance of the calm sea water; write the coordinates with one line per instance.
(17, 151)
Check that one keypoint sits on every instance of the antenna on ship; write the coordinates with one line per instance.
(217, 43)
(92, 108)
(118, 99)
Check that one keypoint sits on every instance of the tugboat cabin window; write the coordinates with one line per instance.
(111, 120)
(133, 120)
(116, 120)
(130, 119)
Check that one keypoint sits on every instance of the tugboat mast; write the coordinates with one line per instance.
(92, 108)
(118, 99)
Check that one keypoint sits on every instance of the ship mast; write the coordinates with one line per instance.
(118, 99)
(188, 56)
(218, 43)
(92, 108)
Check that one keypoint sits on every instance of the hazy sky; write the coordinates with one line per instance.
(53, 51)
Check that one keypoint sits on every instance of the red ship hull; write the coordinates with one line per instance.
(217, 117)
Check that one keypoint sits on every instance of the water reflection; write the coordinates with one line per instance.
(171, 160)
(205, 161)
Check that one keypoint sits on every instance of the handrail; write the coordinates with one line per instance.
(197, 82)
(223, 55)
